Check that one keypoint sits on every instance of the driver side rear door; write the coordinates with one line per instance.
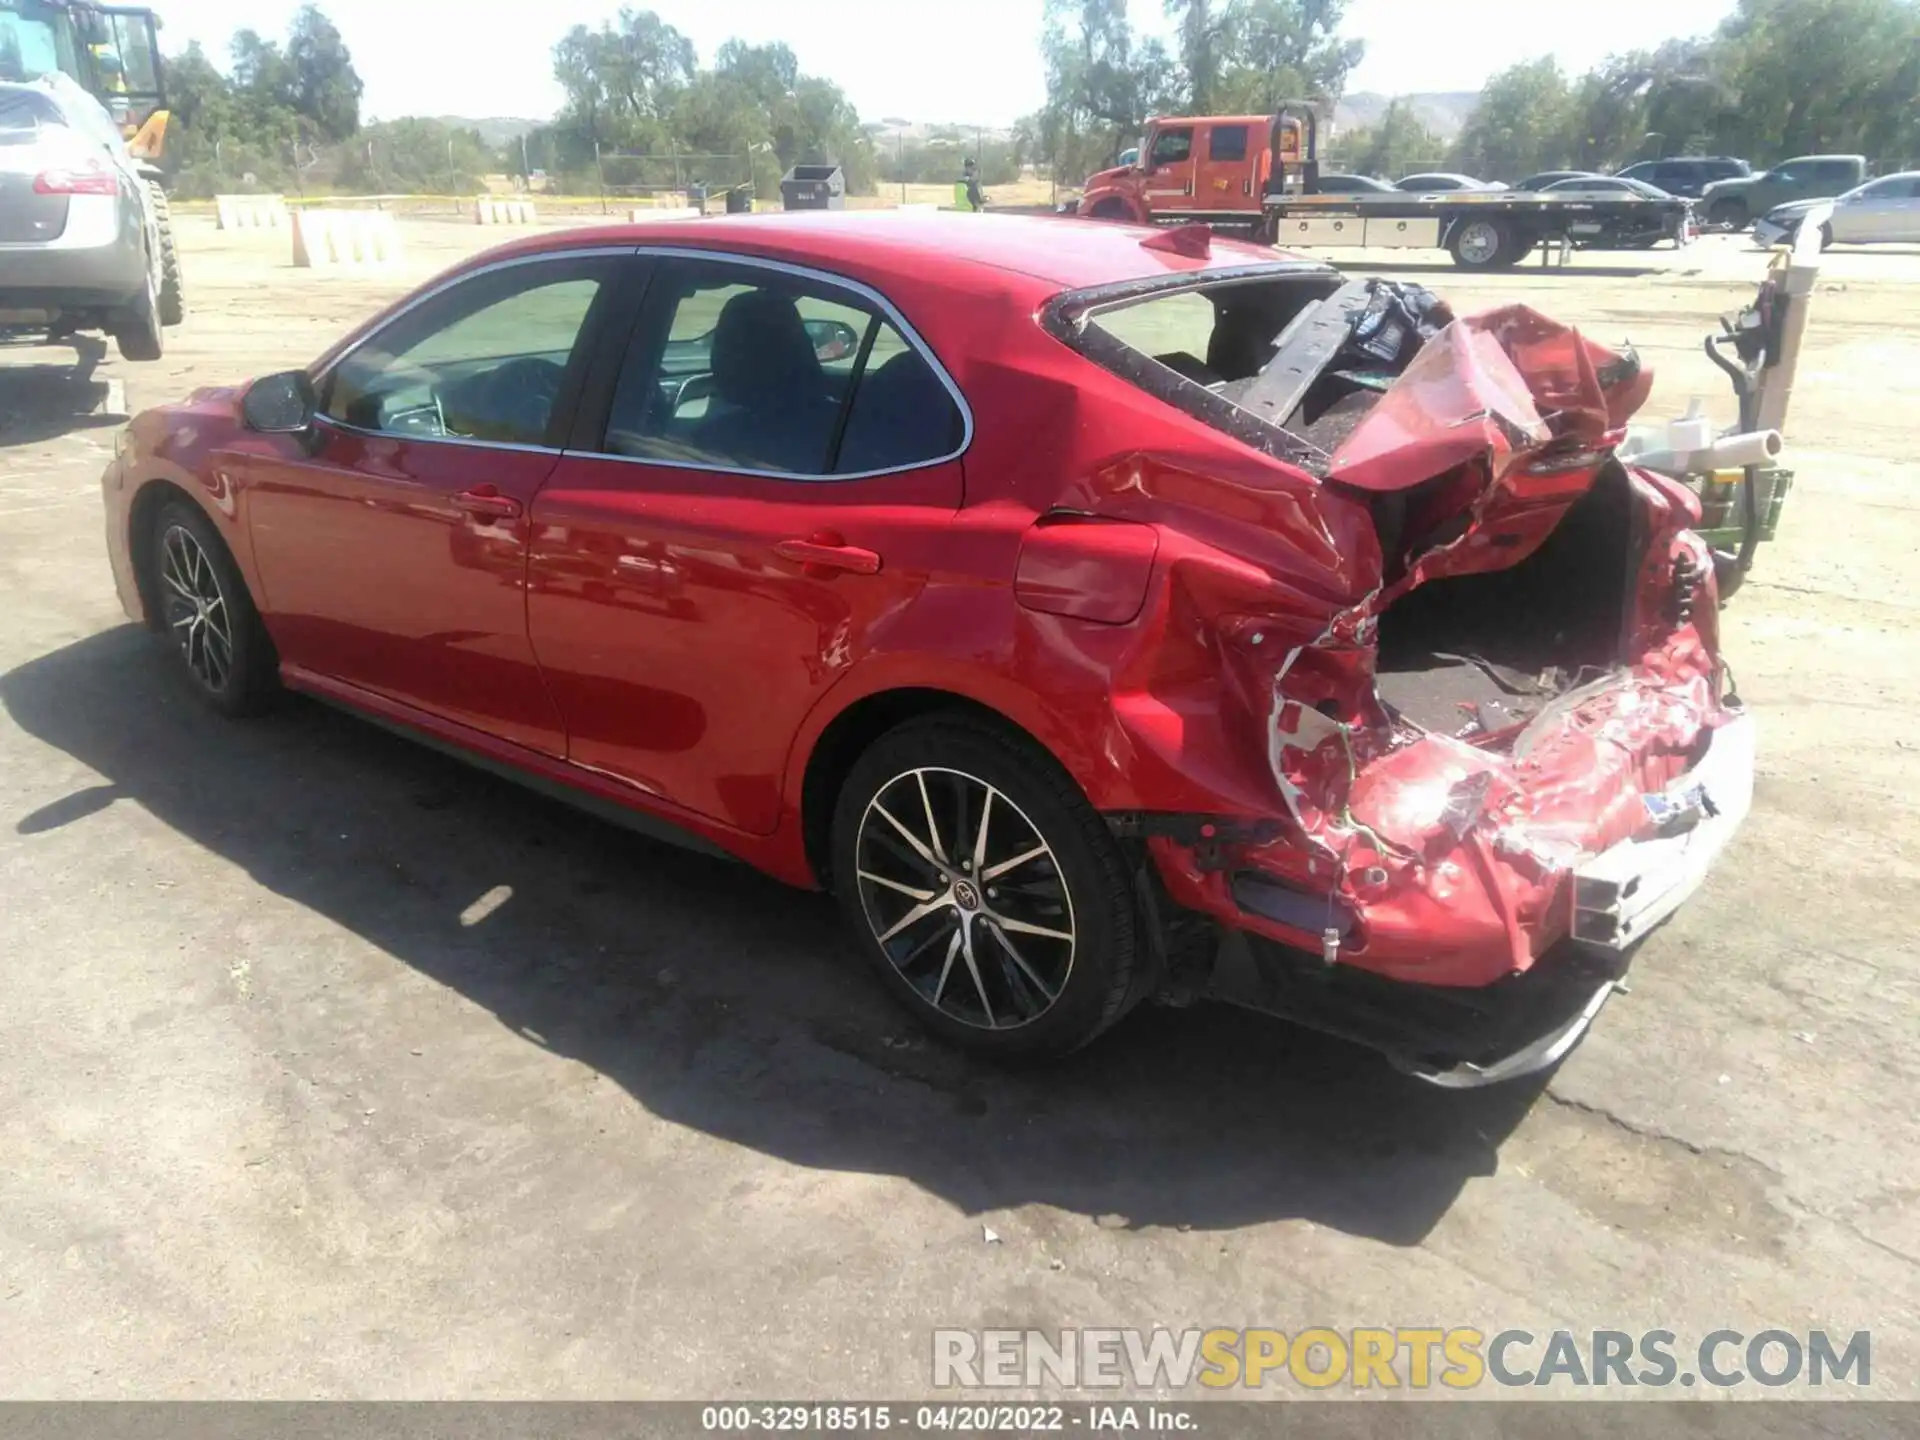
(391, 544)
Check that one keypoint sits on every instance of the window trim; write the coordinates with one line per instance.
(1164, 133)
(887, 310)
(333, 362)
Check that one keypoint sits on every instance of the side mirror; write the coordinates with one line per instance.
(832, 339)
(280, 404)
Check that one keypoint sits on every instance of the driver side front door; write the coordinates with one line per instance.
(1169, 165)
(391, 544)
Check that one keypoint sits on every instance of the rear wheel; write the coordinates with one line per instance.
(1483, 244)
(208, 617)
(138, 335)
(1826, 236)
(985, 889)
(172, 303)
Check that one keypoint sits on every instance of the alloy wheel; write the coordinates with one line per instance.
(197, 614)
(965, 898)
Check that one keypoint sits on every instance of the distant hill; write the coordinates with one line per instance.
(496, 130)
(1444, 112)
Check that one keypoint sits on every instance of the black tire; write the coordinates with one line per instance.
(1110, 209)
(248, 678)
(138, 336)
(1731, 213)
(172, 304)
(1483, 243)
(1009, 1002)
(1826, 236)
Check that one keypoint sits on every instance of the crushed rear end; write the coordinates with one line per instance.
(1455, 700)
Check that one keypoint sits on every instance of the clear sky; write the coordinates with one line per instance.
(924, 60)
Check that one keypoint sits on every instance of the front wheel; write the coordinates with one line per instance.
(207, 614)
(138, 335)
(1483, 245)
(985, 890)
(1110, 209)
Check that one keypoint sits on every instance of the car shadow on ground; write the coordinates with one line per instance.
(726, 1002)
(45, 399)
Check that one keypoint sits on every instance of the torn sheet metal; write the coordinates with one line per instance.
(1454, 853)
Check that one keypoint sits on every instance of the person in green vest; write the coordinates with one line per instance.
(967, 194)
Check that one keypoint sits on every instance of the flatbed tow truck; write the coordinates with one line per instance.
(1208, 169)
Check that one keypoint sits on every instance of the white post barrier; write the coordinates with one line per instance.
(250, 212)
(345, 239)
(491, 210)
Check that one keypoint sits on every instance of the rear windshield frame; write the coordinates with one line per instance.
(1068, 316)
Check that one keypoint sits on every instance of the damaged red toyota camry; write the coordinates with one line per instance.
(1101, 614)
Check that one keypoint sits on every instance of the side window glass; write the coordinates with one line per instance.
(902, 414)
(745, 369)
(1227, 142)
(1170, 147)
(484, 361)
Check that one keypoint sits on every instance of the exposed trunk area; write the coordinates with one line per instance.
(1476, 654)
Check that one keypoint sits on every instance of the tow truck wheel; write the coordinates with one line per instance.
(1109, 209)
(1483, 245)
(172, 303)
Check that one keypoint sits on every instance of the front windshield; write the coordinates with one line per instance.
(35, 40)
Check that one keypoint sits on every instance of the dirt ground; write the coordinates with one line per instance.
(291, 1105)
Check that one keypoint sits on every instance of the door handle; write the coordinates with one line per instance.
(827, 551)
(488, 503)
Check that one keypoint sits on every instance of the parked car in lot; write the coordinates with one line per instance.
(84, 243)
(1352, 185)
(1687, 175)
(1881, 211)
(1437, 183)
(1615, 232)
(1736, 202)
(1535, 183)
(1153, 640)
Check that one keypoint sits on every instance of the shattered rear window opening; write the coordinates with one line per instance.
(1293, 363)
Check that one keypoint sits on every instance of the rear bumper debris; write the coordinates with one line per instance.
(1629, 889)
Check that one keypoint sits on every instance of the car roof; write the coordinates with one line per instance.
(1059, 252)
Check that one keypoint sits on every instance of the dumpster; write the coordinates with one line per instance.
(814, 187)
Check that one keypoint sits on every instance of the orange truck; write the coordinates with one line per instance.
(1260, 174)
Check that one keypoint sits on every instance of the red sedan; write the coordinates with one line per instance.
(1101, 614)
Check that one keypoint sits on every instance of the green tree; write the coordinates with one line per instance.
(1281, 50)
(1396, 145)
(1103, 82)
(1520, 124)
(325, 87)
(415, 156)
(1204, 30)
(1826, 75)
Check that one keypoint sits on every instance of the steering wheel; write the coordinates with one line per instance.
(520, 396)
